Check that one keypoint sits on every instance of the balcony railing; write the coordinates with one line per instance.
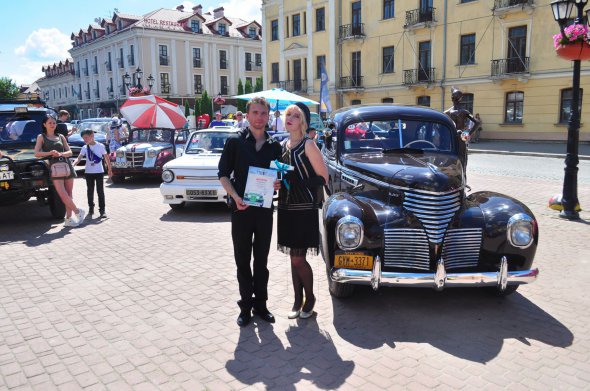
(248, 66)
(510, 66)
(224, 89)
(196, 62)
(351, 31)
(351, 83)
(198, 88)
(421, 15)
(500, 4)
(165, 88)
(256, 68)
(222, 63)
(87, 95)
(418, 76)
(163, 60)
(297, 85)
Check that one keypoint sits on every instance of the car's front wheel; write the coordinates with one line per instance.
(177, 206)
(338, 289)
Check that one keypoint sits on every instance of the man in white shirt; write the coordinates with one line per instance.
(242, 123)
(277, 123)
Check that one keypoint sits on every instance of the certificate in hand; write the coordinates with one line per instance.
(260, 187)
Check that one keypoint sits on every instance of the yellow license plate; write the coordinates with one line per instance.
(354, 261)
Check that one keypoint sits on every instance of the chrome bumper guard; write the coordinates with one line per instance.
(439, 280)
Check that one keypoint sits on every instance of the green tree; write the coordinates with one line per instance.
(8, 90)
(197, 107)
(258, 86)
(206, 104)
(248, 89)
(187, 109)
(241, 103)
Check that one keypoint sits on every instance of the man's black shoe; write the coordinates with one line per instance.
(103, 215)
(244, 318)
(264, 315)
(90, 211)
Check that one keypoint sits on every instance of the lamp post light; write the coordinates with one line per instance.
(562, 10)
(138, 75)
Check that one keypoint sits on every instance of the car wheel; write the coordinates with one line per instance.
(56, 206)
(338, 289)
(118, 178)
(177, 206)
(510, 289)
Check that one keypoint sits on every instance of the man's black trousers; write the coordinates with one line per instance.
(91, 179)
(251, 232)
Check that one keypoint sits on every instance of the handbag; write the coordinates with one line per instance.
(60, 168)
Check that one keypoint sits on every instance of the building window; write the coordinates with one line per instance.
(96, 91)
(275, 72)
(466, 1)
(252, 32)
(121, 63)
(163, 50)
(86, 67)
(296, 25)
(198, 84)
(423, 101)
(319, 61)
(109, 62)
(387, 100)
(224, 89)
(388, 59)
(165, 83)
(565, 106)
(320, 19)
(248, 61)
(196, 57)
(221, 28)
(222, 59)
(131, 56)
(467, 102)
(95, 66)
(514, 107)
(195, 26)
(355, 102)
(467, 49)
(286, 26)
(258, 57)
(274, 30)
(388, 9)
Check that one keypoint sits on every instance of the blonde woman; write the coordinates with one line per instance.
(51, 144)
(298, 223)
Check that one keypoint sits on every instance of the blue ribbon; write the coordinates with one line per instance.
(283, 168)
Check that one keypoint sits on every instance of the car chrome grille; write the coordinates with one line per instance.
(408, 248)
(136, 158)
(461, 247)
(434, 211)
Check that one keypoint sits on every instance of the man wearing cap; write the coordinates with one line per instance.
(114, 135)
(241, 122)
(251, 226)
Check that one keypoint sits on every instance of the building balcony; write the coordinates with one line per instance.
(350, 83)
(196, 62)
(507, 68)
(165, 88)
(351, 31)
(198, 88)
(257, 68)
(419, 76)
(298, 85)
(502, 7)
(222, 64)
(224, 90)
(420, 17)
(163, 60)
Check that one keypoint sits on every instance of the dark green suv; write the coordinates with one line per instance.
(22, 175)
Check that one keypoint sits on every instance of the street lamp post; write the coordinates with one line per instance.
(562, 10)
(138, 75)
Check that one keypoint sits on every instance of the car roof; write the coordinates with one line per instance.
(221, 129)
(384, 111)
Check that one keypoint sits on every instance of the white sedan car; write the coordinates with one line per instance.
(193, 176)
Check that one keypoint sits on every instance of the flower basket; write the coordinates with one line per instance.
(574, 51)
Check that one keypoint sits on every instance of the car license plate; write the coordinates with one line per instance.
(6, 175)
(354, 261)
(121, 164)
(201, 193)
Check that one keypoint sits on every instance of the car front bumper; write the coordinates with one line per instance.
(438, 280)
(176, 193)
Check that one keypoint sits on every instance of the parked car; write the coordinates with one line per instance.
(193, 176)
(22, 175)
(99, 126)
(146, 153)
(401, 214)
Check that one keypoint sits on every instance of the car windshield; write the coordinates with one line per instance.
(97, 127)
(386, 136)
(152, 135)
(208, 142)
(20, 127)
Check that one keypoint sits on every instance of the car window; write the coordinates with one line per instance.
(397, 134)
(19, 127)
(96, 127)
(208, 142)
(152, 135)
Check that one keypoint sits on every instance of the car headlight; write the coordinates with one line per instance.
(521, 230)
(151, 154)
(120, 154)
(349, 232)
(167, 176)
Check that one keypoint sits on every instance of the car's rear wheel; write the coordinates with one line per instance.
(118, 178)
(510, 289)
(56, 206)
(177, 206)
(338, 289)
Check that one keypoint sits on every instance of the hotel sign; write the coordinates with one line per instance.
(163, 24)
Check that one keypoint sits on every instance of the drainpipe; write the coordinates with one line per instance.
(444, 58)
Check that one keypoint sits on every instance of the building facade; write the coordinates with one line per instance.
(182, 52)
(498, 52)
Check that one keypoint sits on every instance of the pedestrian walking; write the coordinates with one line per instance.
(55, 146)
(96, 154)
(62, 128)
(251, 226)
(277, 122)
(298, 221)
(115, 135)
(478, 130)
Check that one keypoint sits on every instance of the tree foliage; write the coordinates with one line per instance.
(197, 107)
(259, 84)
(241, 103)
(8, 89)
(187, 109)
(248, 89)
(206, 104)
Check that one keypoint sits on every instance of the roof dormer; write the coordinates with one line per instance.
(250, 30)
(221, 25)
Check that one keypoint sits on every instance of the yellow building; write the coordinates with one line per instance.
(498, 52)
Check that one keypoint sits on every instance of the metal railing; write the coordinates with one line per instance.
(498, 4)
(196, 62)
(163, 60)
(293, 85)
(224, 89)
(165, 88)
(417, 76)
(351, 31)
(351, 82)
(509, 66)
(420, 15)
(256, 68)
(222, 63)
(198, 88)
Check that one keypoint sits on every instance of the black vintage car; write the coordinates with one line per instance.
(400, 213)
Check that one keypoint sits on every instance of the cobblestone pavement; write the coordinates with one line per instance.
(146, 300)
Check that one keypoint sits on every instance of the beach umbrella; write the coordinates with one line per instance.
(278, 98)
(151, 111)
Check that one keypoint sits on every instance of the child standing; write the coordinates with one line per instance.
(95, 153)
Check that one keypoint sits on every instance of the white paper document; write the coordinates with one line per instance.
(260, 187)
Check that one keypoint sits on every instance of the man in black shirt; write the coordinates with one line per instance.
(62, 128)
(251, 225)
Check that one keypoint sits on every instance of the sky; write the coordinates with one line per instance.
(38, 33)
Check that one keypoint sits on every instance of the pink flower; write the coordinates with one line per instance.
(572, 34)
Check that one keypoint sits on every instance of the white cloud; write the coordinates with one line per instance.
(50, 44)
(244, 9)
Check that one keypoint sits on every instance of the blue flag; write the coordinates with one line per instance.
(325, 106)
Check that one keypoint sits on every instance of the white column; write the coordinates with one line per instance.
(189, 67)
(241, 70)
(265, 32)
(154, 56)
(214, 70)
(174, 75)
(206, 64)
(310, 59)
(331, 59)
(234, 66)
(282, 67)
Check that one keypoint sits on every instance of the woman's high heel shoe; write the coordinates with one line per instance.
(295, 312)
(307, 309)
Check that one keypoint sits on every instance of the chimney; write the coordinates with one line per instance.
(198, 9)
(180, 8)
(218, 12)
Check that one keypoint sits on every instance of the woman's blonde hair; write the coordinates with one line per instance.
(304, 124)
